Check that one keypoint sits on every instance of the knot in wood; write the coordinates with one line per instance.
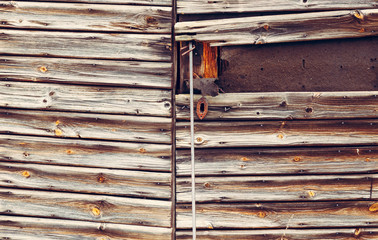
(26, 174)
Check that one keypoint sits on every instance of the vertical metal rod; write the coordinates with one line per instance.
(194, 226)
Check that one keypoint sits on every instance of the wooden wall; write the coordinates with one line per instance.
(85, 119)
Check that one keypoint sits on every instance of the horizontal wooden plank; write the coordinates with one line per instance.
(87, 126)
(54, 229)
(121, 2)
(285, 105)
(280, 28)
(279, 133)
(133, 101)
(85, 207)
(240, 6)
(292, 234)
(280, 188)
(277, 161)
(69, 152)
(123, 46)
(88, 72)
(86, 17)
(279, 215)
(86, 180)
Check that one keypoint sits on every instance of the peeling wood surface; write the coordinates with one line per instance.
(85, 17)
(240, 6)
(86, 180)
(83, 153)
(89, 72)
(277, 161)
(279, 133)
(279, 215)
(281, 28)
(86, 126)
(147, 47)
(85, 207)
(85, 98)
(277, 234)
(55, 229)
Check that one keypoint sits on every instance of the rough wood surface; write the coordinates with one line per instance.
(27, 228)
(85, 17)
(285, 105)
(281, 28)
(85, 207)
(280, 188)
(279, 133)
(83, 153)
(86, 126)
(85, 98)
(86, 180)
(89, 72)
(277, 161)
(121, 2)
(278, 234)
(147, 47)
(279, 215)
(239, 6)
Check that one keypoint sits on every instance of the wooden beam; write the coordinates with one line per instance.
(121, 2)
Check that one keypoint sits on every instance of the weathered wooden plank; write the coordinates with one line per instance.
(280, 215)
(89, 72)
(27, 228)
(147, 47)
(86, 180)
(280, 188)
(285, 105)
(87, 126)
(85, 207)
(278, 234)
(280, 28)
(69, 152)
(276, 161)
(239, 6)
(85, 98)
(279, 133)
(121, 2)
(85, 17)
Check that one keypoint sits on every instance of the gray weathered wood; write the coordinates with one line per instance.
(121, 2)
(91, 72)
(85, 98)
(285, 105)
(85, 125)
(279, 215)
(86, 180)
(69, 152)
(281, 28)
(122, 46)
(239, 6)
(85, 17)
(280, 188)
(260, 161)
(85, 207)
(279, 133)
(27, 228)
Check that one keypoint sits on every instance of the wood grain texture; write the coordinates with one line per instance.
(119, 2)
(89, 72)
(83, 153)
(277, 161)
(85, 207)
(85, 17)
(147, 47)
(279, 215)
(22, 228)
(132, 101)
(280, 28)
(279, 133)
(86, 180)
(240, 6)
(285, 105)
(86, 126)
(278, 234)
